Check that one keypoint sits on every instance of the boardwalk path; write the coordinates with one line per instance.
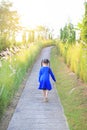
(34, 114)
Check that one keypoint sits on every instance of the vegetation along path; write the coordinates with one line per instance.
(32, 113)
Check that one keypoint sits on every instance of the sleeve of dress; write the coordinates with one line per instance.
(52, 75)
(39, 75)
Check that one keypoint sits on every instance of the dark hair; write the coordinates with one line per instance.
(46, 61)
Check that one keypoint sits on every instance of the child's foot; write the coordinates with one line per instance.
(45, 99)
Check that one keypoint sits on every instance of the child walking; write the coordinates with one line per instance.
(44, 78)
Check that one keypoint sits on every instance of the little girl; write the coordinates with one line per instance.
(44, 78)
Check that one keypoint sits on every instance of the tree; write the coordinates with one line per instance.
(9, 22)
(71, 33)
(61, 34)
(43, 32)
(67, 34)
(83, 26)
(24, 37)
(31, 36)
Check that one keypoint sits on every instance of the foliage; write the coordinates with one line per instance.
(9, 24)
(83, 26)
(31, 36)
(72, 93)
(44, 33)
(75, 56)
(10, 28)
(67, 34)
(24, 37)
(13, 69)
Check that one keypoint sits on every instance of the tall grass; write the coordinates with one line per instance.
(75, 56)
(72, 92)
(13, 70)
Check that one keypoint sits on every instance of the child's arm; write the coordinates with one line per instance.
(52, 75)
(39, 75)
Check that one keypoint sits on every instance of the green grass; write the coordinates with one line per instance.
(13, 70)
(72, 92)
(12, 73)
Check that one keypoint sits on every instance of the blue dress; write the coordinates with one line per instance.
(44, 78)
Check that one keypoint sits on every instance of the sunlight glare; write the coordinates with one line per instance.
(53, 13)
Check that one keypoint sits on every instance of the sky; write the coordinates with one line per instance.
(51, 13)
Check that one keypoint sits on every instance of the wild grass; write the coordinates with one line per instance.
(13, 69)
(75, 56)
(72, 92)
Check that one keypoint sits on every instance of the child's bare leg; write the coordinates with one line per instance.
(45, 93)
